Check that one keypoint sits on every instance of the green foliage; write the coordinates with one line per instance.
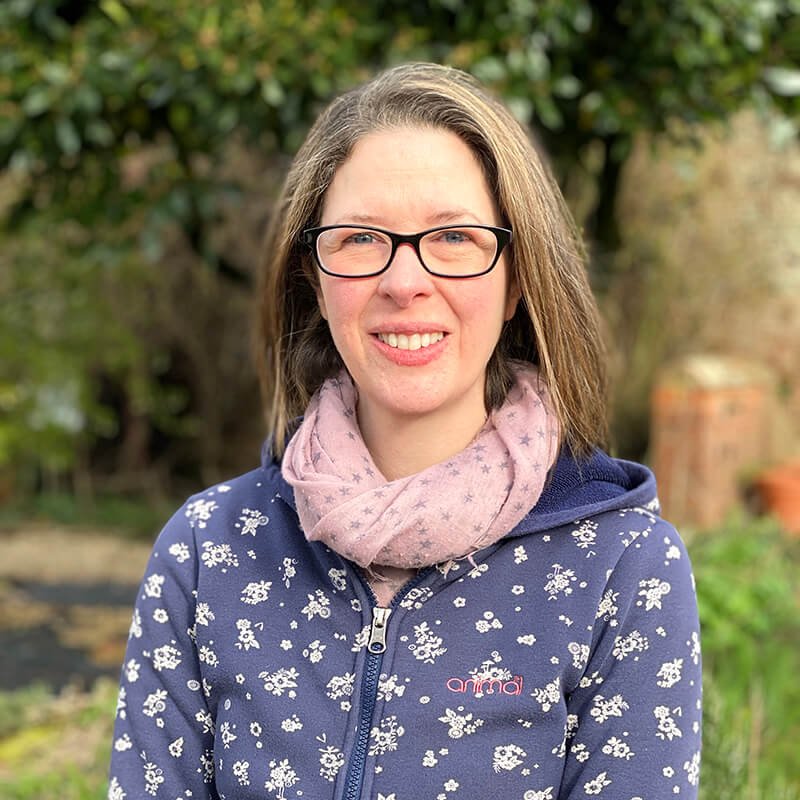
(126, 516)
(56, 747)
(84, 91)
(17, 709)
(747, 589)
(118, 120)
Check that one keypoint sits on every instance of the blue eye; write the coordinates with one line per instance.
(454, 237)
(360, 238)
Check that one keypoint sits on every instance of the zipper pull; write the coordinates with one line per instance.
(377, 635)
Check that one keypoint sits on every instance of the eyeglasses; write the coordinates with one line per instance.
(449, 251)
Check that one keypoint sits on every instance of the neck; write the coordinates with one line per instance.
(402, 446)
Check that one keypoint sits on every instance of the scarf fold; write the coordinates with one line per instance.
(447, 511)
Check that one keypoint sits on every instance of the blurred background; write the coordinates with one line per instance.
(141, 145)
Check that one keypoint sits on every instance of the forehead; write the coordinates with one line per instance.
(409, 175)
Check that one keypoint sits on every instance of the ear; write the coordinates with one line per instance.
(512, 298)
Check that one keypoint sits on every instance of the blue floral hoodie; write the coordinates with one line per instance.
(561, 662)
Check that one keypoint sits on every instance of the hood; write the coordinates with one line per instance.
(582, 488)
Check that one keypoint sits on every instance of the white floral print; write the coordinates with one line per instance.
(166, 657)
(318, 604)
(153, 777)
(634, 642)
(341, 686)
(653, 590)
(292, 724)
(283, 680)
(247, 638)
(539, 794)
(252, 520)
(247, 667)
(507, 757)
(115, 790)
(331, 759)
(460, 724)
(548, 695)
(597, 784)
(199, 512)
(154, 703)
(241, 771)
(256, 592)
(670, 673)
(559, 582)
(281, 777)
(427, 647)
(215, 555)
(602, 708)
(314, 651)
(181, 552)
(667, 727)
(152, 585)
(385, 736)
(586, 535)
(579, 653)
(389, 687)
(618, 749)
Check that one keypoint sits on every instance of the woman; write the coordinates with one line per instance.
(435, 586)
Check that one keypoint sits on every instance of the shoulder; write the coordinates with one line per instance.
(647, 566)
(635, 539)
(243, 503)
(617, 548)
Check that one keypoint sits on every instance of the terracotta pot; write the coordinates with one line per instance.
(779, 488)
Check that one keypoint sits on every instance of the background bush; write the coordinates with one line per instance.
(141, 144)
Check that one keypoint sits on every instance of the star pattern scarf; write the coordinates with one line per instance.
(447, 511)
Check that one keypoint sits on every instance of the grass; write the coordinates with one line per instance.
(134, 516)
(56, 747)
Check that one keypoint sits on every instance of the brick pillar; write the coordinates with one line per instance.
(708, 425)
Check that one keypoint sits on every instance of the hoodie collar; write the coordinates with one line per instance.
(578, 488)
(581, 488)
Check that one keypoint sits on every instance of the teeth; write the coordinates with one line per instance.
(413, 342)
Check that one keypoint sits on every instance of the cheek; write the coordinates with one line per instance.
(341, 303)
(488, 304)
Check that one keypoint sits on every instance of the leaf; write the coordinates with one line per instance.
(116, 11)
(783, 81)
(67, 136)
(272, 91)
(37, 101)
(56, 73)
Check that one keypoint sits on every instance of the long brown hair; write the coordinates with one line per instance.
(556, 323)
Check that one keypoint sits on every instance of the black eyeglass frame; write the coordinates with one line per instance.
(310, 235)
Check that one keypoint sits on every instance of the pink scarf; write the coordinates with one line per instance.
(447, 511)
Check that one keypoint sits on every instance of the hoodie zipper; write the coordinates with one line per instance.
(369, 685)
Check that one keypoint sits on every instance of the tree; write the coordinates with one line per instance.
(118, 121)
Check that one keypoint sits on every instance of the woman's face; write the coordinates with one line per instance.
(407, 180)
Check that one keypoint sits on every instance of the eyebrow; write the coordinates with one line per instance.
(439, 218)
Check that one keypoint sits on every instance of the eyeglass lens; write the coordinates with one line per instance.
(458, 251)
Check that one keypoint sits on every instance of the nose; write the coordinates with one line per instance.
(406, 278)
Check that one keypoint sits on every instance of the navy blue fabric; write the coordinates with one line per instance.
(561, 663)
(574, 483)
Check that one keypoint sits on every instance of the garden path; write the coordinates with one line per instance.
(66, 598)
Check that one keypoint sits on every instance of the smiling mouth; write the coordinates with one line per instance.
(415, 341)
